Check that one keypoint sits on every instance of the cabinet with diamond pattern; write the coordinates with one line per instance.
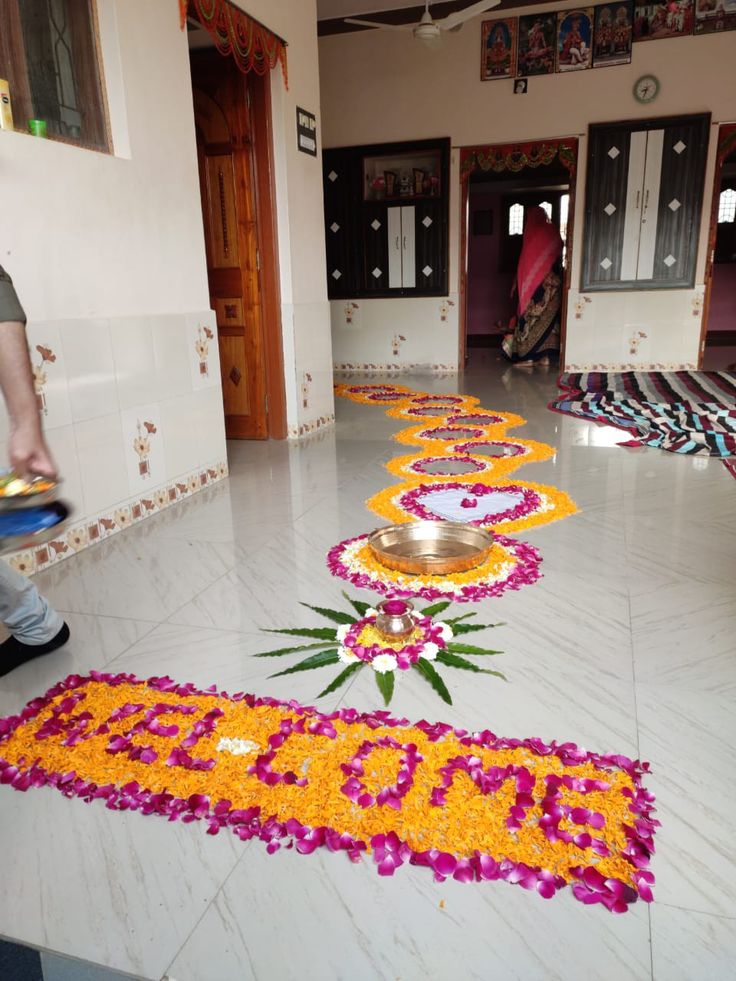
(643, 202)
(386, 219)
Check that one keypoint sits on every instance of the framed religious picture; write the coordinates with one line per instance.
(537, 40)
(612, 34)
(715, 15)
(574, 39)
(498, 48)
(653, 21)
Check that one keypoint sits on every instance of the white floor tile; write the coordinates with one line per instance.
(624, 645)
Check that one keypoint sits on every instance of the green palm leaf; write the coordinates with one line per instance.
(435, 608)
(468, 628)
(294, 650)
(341, 679)
(322, 633)
(359, 606)
(465, 616)
(385, 684)
(469, 649)
(425, 668)
(318, 660)
(453, 661)
(335, 615)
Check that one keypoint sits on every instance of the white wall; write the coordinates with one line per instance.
(107, 254)
(300, 214)
(382, 85)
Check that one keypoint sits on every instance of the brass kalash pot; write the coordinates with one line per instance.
(394, 618)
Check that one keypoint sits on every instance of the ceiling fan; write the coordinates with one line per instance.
(428, 29)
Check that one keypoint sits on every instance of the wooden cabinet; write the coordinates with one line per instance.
(386, 216)
(643, 202)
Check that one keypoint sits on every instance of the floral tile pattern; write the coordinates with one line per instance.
(91, 530)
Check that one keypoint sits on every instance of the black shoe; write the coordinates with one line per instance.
(14, 652)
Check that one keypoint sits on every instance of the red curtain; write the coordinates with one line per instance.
(253, 47)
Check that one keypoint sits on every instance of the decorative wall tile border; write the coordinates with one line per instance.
(404, 368)
(639, 366)
(91, 530)
(306, 428)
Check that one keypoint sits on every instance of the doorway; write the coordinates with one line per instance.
(718, 336)
(234, 152)
(499, 184)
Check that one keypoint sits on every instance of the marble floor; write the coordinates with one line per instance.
(627, 644)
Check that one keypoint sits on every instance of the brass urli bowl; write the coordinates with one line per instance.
(436, 548)
(30, 498)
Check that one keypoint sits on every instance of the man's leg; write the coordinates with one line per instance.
(35, 627)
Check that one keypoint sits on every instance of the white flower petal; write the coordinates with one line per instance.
(430, 651)
(237, 747)
(370, 612)
(342, 631)
(445, 629)
(347, 656)
(384, 663)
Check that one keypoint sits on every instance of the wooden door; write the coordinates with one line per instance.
(222, 108)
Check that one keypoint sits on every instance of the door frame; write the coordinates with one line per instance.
(526, 156)
(725, 146)
(262, 159)
(265, 188)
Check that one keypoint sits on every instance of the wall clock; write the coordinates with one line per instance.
(646, 89)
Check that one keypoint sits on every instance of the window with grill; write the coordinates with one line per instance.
(516, 219)
(49, 56)
(727, 206)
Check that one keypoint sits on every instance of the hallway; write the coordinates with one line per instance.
(624, 645)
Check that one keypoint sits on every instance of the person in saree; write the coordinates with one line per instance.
(536, 334)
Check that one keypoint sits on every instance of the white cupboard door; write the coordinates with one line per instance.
(650, 205)
(394, 248)
(408, 247)
(634, 195)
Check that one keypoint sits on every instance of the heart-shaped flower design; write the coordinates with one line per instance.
(479, 504)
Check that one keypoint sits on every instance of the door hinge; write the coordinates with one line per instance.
(258, 260)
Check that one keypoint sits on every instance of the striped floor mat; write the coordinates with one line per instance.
(655, 386)
(692, 412)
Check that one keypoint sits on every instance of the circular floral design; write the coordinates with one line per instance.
(385, 396)
(450, 432)
(510, 565)
(446, 466)
(369, 389)
(431, 410)
(363, 641)
(445, 399)
(505, 447)
(478, 419)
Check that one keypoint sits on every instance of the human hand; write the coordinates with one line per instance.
(29, 454)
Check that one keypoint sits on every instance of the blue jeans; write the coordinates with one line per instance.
(25, 613)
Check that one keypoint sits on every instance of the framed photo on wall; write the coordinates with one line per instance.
(654, 21)
(537, 43)
(574, 39)
(613, 34)
(498, 48)
(715, 15)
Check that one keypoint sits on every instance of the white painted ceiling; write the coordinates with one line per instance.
(327, 9)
